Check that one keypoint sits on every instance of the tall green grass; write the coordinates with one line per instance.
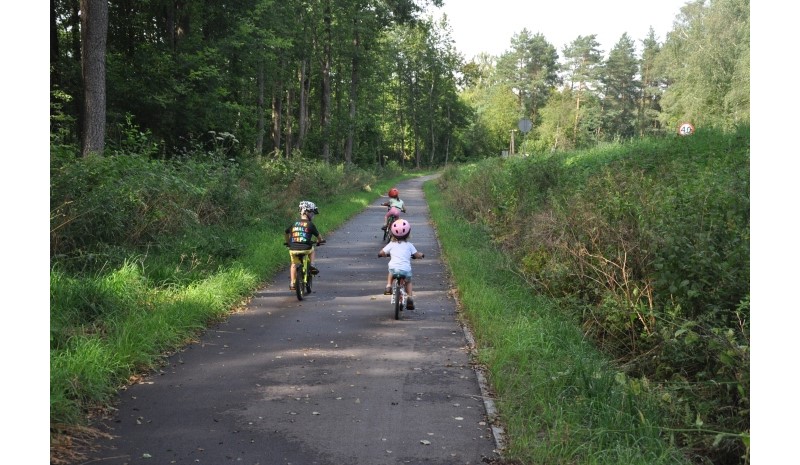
(561, 401)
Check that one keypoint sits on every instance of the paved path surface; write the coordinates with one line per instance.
(331, 380)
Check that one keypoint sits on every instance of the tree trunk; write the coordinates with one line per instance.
(54, 49)
(577, 115)
(348, 149)
(289, 121)
(305, 88)
(401, 113)
(94, 29)
(431, 113)
(415, 121)
(260, 110)
(276, 118)
(326, 82)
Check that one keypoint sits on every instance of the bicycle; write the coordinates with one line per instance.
(387, 227)
(387, 230)
(399, 296)
(303, 277)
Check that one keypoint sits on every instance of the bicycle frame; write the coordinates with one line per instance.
(387, 233)
(302, 276)
(399, 296)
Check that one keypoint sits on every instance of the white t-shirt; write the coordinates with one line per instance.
(393, 202)
(401, 253)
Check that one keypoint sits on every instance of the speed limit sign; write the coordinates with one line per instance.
(686, 129)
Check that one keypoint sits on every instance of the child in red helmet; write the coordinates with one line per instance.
(396, 206)
(401, 252)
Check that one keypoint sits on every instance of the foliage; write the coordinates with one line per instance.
(707, 60)
(700, 74)
(370, 82)
(252, 68)
(647, 244)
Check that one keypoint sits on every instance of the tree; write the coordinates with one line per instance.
(279, 76)
(582, 62)
(94, 27)
(707, 58)
(653, 85)
(620, 88)
(557, 116)
(531, 67)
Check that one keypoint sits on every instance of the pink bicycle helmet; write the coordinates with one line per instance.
(401, 228)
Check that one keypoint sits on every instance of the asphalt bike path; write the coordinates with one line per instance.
(330, 380)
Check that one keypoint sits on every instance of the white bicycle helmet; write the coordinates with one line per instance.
(307, 206)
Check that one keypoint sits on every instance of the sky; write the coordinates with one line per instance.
(487, 26)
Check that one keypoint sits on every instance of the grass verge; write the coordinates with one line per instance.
(559, 399)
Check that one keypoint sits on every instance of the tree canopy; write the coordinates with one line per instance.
(372, 82)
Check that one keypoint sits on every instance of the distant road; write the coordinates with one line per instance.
(331, 380)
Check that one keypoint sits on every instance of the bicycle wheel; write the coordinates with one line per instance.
(398, 300)
(298, 281)
(387, 233)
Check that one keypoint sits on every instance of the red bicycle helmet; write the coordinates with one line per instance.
(393, 192)
(401, 228)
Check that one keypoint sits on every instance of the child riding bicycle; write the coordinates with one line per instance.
(298, 237)
(401, 252)
(396, 206)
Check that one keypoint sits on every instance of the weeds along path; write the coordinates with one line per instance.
(331, 380)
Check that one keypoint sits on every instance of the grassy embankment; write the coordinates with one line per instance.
(608, 292)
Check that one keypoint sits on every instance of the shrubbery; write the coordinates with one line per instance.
(146, 252)
(647, 243)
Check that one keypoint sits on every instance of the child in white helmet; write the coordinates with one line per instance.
(299, 238)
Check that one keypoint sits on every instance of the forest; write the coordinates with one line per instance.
(370, 82)
(182, 133)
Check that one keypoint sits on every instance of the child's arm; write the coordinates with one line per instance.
(386, 250)
(418, 255)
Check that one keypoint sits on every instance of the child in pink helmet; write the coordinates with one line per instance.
(401, 252)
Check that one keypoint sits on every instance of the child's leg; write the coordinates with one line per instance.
(409, 287)
(389, 279)
(292, 271)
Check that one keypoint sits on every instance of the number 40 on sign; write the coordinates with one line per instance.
(686, 129)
